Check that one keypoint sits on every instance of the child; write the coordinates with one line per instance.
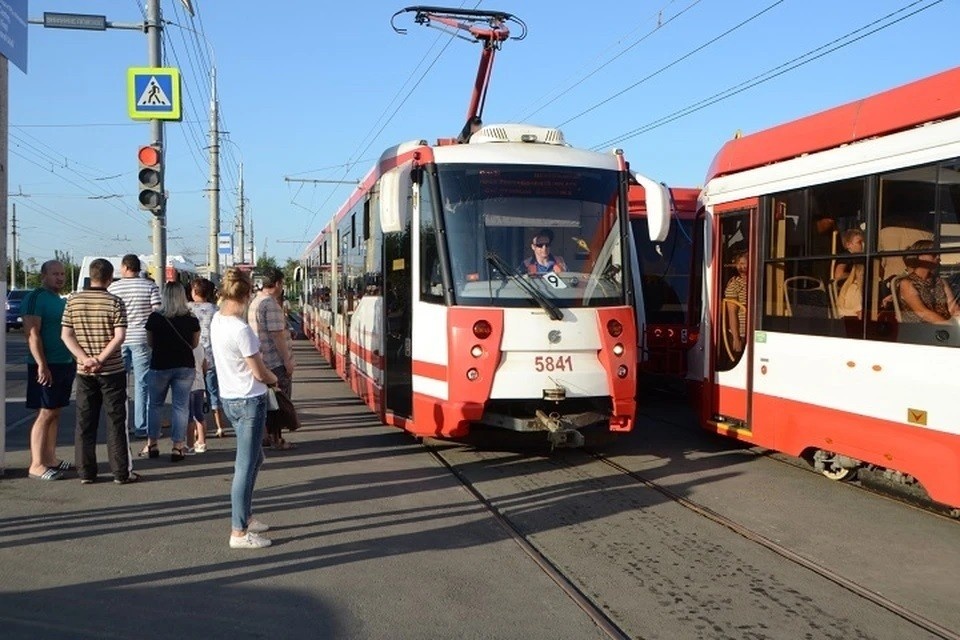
(197, 400)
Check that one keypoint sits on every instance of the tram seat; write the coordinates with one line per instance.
(834, 290)
(897, 239)
(895, 295)
(806, 297)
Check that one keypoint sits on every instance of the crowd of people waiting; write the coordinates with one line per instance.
(213, 353)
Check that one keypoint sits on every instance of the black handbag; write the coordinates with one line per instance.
(285, 415)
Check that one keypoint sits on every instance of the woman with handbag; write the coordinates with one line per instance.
(172, 333)
(243, 381)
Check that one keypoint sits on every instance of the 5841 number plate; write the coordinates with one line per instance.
(552, 363)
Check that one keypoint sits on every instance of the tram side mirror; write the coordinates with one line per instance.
(657, 197)
(395, 203)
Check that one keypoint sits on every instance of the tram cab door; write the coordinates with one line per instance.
(398, 320)
(732, 333)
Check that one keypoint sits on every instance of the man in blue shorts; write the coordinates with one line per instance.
(50, 370)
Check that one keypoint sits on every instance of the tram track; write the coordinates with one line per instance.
(555, 562)
(901, 494)
(853, 587)
(591, 609)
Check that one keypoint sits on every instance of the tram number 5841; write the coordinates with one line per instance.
(551, 363)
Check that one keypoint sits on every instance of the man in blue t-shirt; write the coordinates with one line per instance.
(50, 370)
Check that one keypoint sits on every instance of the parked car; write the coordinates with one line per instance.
(14, 300)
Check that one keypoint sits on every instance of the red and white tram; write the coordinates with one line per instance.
(423, 300)
(668, 313)
(843, 221)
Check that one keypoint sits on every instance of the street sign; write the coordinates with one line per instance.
(153, 93)
(13, 32)
(74, 21)
(225, 244)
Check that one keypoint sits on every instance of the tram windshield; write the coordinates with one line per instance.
(521, 235)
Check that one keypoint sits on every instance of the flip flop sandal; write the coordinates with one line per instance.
(49, 474)
(64, 466)
(133, 477)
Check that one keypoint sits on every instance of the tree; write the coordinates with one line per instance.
(265, 262)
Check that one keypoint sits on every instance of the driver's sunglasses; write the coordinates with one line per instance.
(541, 245)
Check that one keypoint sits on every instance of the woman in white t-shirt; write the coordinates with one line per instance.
(243, 382)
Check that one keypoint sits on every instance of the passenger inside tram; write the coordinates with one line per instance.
(543, 259)
(736, 309)
(922, 295)
(848, 277)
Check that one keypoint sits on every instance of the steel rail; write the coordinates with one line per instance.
(871, 596)
(595, 613)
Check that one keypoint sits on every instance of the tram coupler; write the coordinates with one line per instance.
(558, 434)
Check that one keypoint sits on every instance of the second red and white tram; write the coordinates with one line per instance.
(832, 269)
(668, 314)
(423, 296)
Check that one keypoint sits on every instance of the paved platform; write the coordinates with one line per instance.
(371, 540)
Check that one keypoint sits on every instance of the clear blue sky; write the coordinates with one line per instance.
(307, 87)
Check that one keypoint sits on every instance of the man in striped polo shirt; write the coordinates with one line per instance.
(140, 297)
(94, 326)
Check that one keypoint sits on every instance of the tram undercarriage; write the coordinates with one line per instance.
(561, 419)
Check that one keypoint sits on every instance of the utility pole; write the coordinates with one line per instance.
(13, 252)
(243, 247)
(253, 245)
(213, 255)
(153, 28)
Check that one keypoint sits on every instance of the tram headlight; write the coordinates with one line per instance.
(618, 349)
(472, 374)
(476, 351)
(622, 371)
(614, 328)
(482, 329)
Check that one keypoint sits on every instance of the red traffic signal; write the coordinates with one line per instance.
(150, 176)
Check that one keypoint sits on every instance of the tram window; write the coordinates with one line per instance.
(431, 281)
(366, 220)
(797, 300)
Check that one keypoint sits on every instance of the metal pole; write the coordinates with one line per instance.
(154, 59)
(4, 176)
(13, 253)
(253, 245)
(213, 257)
(243, 247)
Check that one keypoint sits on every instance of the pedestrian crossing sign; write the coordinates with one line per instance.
(153, 93)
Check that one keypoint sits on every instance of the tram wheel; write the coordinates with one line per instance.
(840, 474)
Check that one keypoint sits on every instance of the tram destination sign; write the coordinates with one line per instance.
(74, 21)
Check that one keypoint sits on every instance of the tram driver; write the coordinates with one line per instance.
(543, 260)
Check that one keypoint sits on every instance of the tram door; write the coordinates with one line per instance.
(398, 364)
(732, 321)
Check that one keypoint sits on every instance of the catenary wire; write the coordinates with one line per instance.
(774, 72)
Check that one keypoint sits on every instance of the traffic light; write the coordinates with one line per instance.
(151, 178)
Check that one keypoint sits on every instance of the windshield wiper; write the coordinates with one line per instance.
(545, 303)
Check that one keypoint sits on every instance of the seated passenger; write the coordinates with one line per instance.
(850, 295)
(543, 261)
(923, 295)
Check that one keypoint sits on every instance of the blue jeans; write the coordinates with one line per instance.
(180, 380)
(136, 357)
(213, 388)
(248, 417)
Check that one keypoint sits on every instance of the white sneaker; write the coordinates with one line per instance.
(249, 541)
(255, 526)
